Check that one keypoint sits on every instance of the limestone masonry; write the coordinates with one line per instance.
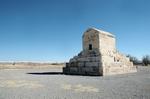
(99, 56)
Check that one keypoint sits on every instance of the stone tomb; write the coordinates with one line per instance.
(99, 56)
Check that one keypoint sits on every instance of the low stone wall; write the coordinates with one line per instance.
(80, 70)
(119, 68)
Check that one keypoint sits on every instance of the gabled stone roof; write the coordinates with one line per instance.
(100, 31)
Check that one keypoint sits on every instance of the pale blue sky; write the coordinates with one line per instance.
(51, 30)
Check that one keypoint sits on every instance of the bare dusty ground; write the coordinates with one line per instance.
(45, 84)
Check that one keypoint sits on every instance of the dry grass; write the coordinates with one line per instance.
(30, 65)
(20, 83)
(80, 88)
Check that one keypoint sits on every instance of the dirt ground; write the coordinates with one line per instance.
(49, 83)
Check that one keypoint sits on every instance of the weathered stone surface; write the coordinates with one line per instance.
(99, 56)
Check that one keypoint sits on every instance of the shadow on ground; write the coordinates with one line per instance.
(46, 73)
(59, 73)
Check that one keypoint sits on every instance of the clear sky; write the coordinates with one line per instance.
(51, 30)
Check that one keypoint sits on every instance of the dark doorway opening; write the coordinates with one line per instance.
(90, 46)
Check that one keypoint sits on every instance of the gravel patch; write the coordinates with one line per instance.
(35, 84)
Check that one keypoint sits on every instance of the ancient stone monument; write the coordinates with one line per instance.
(99, 56)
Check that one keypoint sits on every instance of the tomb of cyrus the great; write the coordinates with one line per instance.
(99, 56)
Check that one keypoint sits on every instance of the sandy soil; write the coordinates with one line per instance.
(44, 84)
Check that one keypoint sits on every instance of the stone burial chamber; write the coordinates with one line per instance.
(99, 56)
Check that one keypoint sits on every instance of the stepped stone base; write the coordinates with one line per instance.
(82, 71)
(81, 65)
(99, 56)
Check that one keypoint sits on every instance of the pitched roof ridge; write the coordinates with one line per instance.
(100, 31)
